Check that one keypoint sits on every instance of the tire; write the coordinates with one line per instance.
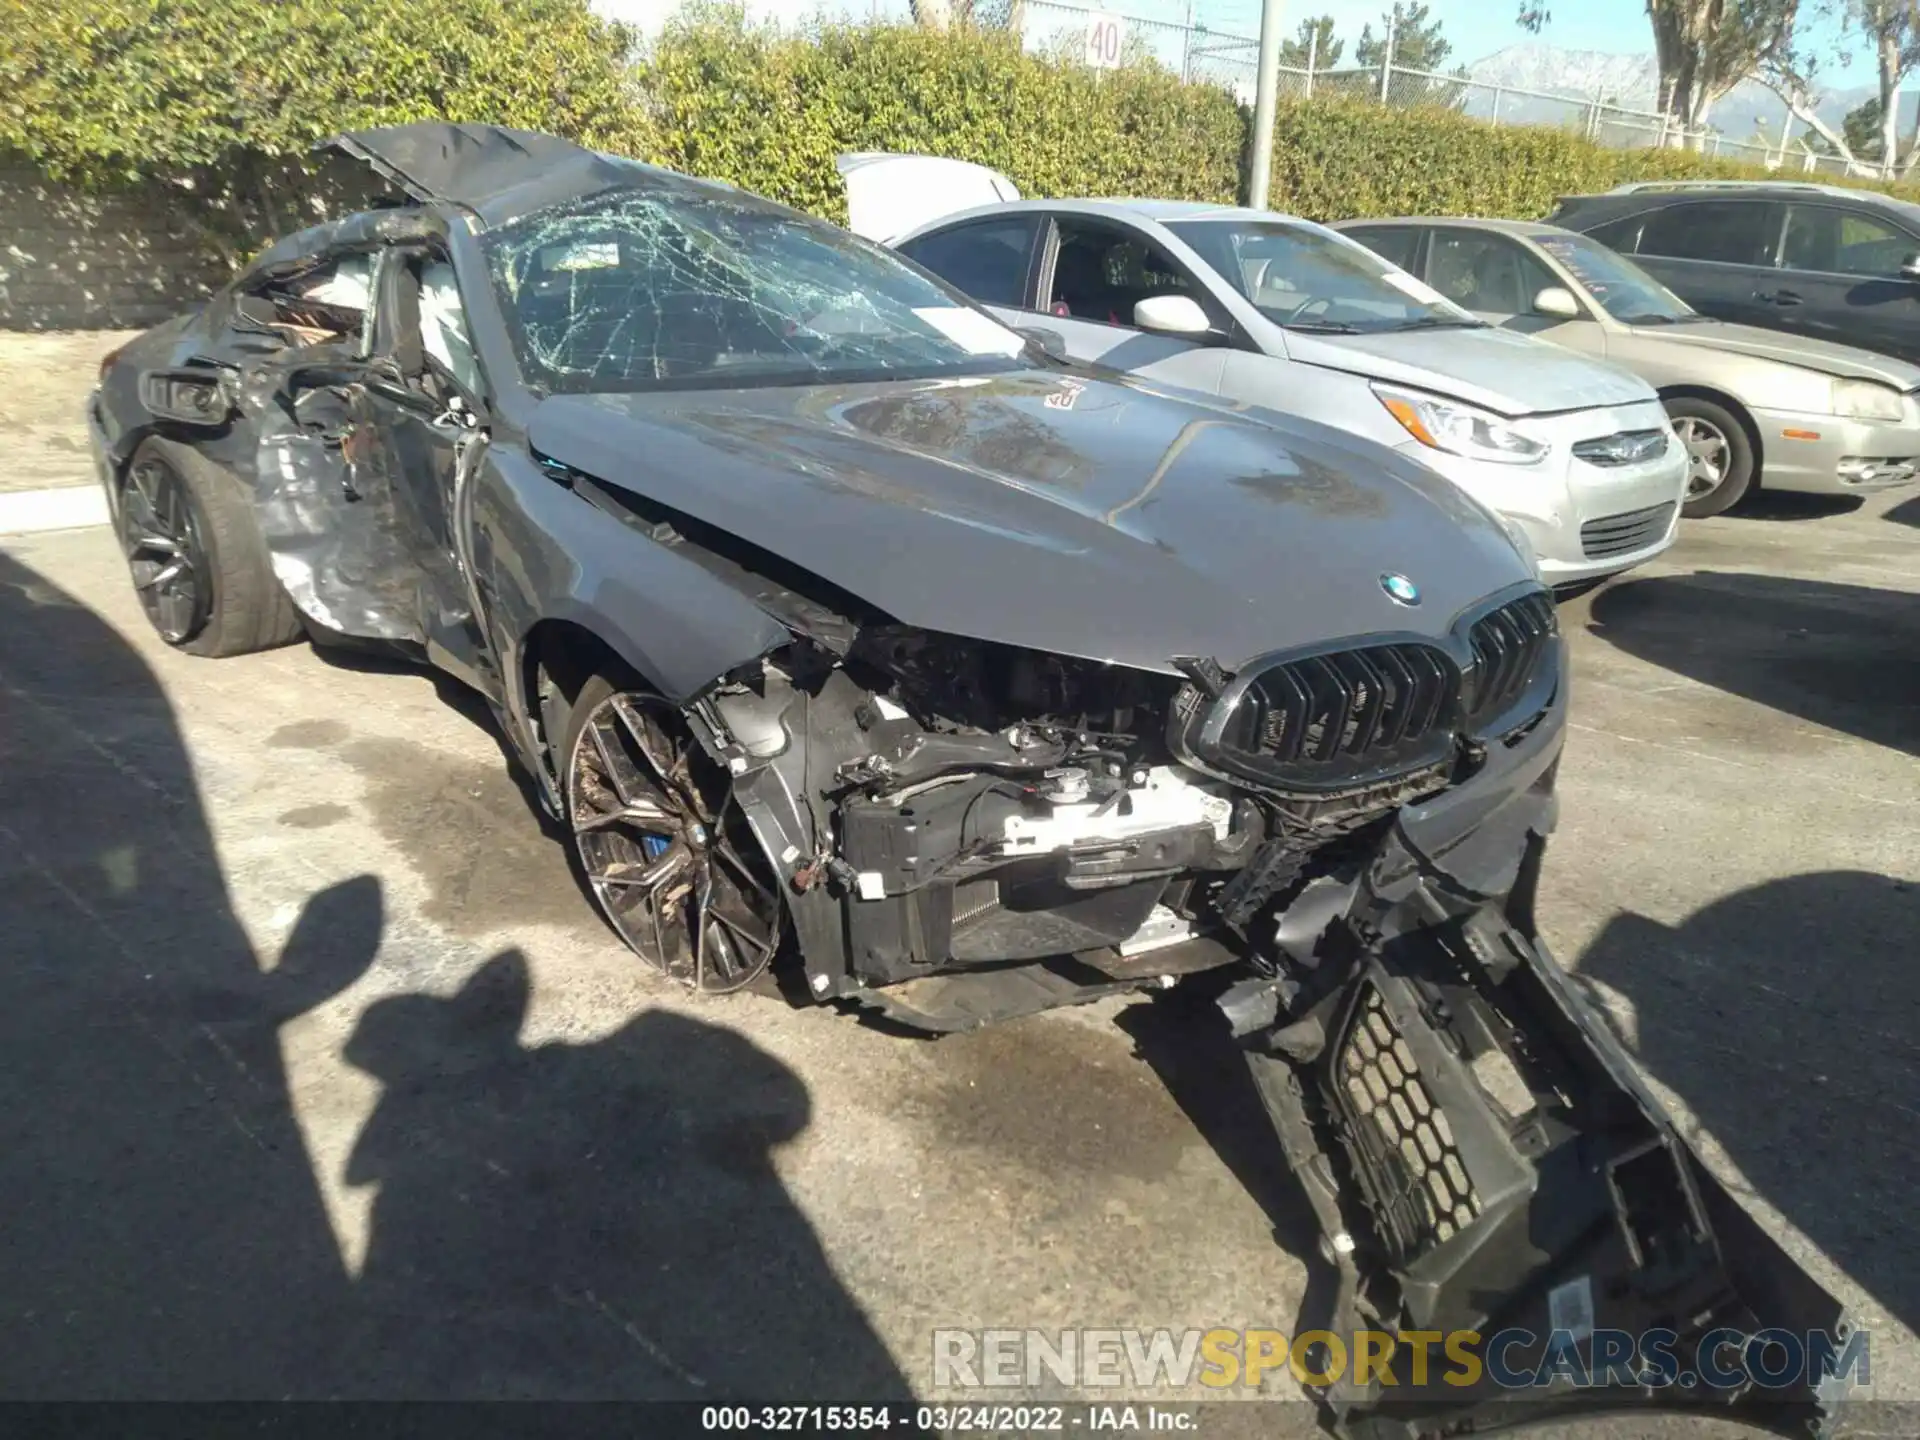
(195, 555)
(1716, 441)
(713, 919)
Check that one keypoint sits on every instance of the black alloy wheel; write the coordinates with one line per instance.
(663, 843)
(162, 538)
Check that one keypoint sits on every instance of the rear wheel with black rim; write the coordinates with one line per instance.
(1720, 461)
(194, 552)
(659, 835)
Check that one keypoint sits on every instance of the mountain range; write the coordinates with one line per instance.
(1634, 81)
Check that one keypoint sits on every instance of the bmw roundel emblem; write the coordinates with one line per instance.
(1400, 589)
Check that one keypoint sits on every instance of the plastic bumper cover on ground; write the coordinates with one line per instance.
(1483, 1157)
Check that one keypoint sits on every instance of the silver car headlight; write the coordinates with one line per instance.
(1459, 429)
(1868, 400)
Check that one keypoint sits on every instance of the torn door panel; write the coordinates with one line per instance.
(326, 507)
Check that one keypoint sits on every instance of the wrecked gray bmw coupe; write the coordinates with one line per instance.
(839, 626)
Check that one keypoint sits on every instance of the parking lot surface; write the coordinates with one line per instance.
(321, 1078)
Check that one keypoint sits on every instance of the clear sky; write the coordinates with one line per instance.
(1476, 27)
(1479, 27)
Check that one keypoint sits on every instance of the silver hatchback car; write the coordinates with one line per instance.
(1264, 310)
(1753, 407)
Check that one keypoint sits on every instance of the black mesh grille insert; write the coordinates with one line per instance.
(1420, 1189)
(1507, 646)
(1623, 534)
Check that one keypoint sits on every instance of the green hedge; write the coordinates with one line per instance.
(769, 111)
(1335, 160)
(223, 98)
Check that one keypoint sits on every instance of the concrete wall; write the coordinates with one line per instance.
(69, 262)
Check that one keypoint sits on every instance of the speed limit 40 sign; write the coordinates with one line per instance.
(1106, 37)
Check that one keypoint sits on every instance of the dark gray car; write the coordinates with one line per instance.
(841, 628)
(1824, 261)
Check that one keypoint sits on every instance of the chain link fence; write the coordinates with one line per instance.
(1207, 56)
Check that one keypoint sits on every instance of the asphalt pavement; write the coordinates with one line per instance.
(320, 1078)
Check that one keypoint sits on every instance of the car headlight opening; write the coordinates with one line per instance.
(1868, 400)
(1459, 429)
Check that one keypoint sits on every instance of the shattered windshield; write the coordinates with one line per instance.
(1628, 293)
(674, 287)
(1304, 278)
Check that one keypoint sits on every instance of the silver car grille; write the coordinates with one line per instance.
(1627, 447)
(1623, 534)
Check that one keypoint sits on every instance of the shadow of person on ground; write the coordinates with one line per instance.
(590, 1221)
(164, 1236)
(1787, 1017)
(1843, 656)
(582, 1220)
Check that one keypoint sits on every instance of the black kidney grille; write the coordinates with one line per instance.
(1507, 645)
(1346, 711)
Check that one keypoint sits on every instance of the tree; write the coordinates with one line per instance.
(227, 98)
(1863, 131)
(1410, 39)
(1892, 28)
(940, 14)
(1706, 47)
(1314, 41)
(1417, 41)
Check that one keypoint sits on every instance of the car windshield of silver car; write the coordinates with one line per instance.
(1628, 293)
(1306, 279)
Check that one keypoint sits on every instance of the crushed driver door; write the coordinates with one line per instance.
(360, 467)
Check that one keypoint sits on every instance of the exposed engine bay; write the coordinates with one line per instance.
(1057, 827)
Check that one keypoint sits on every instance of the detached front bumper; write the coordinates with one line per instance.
(1827, 455)
(1519, 1230)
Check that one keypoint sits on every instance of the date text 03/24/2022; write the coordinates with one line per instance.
(918, 1419)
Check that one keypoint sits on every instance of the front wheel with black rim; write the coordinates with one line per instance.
(662, 841)
(193, 548)
(1720, 462)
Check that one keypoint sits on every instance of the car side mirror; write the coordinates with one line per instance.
(1557, 301)
(1179, 315)
(1050, 343)
(1910, 268)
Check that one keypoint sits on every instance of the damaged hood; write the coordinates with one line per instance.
(1510, 374)
(1077, 516)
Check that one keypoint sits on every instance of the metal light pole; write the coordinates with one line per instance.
(1266, 86)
